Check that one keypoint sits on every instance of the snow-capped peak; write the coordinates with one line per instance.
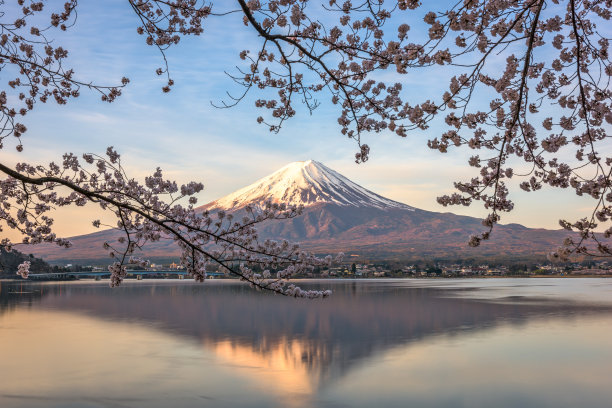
(306, 183)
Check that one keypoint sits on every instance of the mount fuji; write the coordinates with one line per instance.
(340, 215)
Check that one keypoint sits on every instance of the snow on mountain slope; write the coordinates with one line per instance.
(306, 183)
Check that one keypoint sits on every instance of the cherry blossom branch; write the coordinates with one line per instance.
(148, 218)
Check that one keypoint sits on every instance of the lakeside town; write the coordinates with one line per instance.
(382, 269)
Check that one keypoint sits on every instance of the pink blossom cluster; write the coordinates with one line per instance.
(23, 269)
(163, 23)
(556, 62)
(35, 65)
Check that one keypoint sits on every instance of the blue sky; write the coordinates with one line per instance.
(226, 149)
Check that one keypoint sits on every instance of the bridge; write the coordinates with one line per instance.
(101, 274)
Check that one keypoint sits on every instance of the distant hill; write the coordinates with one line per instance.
(340, 215)
(10, 260)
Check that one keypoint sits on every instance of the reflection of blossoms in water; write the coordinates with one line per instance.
(23, 269)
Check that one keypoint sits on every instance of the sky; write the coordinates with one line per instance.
(184, 134)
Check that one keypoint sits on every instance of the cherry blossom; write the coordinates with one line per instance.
(23, 269)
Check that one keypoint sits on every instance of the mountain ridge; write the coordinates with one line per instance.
(340, 215)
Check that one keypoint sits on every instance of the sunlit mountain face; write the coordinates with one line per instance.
(341, 216)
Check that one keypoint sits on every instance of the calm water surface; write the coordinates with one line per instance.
(384, 343)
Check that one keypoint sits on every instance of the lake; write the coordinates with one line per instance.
(383, 343)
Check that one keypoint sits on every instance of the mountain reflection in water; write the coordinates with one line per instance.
(304, 348)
